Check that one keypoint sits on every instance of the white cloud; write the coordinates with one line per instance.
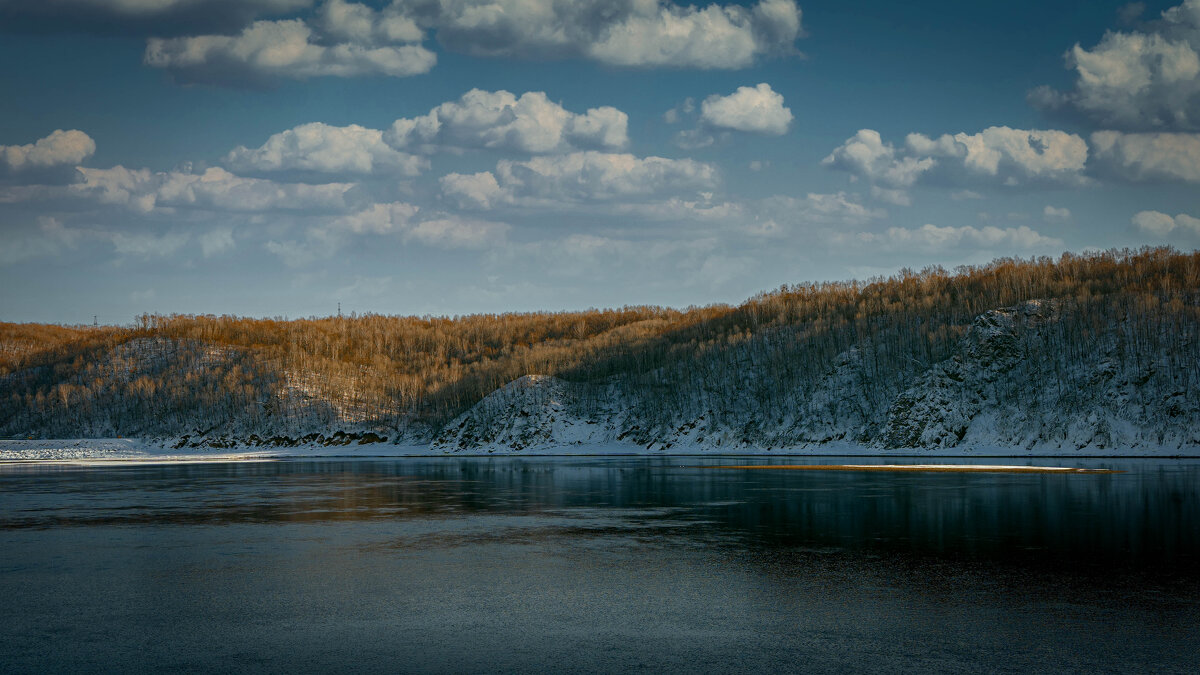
(996, 151)
(326, 149)
(267, 50)
(215, 189)
(897, 197)
(378, 219)
(994, 156)
(351, 39)
(501, 121)
(450, 231)
(644, 33)
(359, 24)
(1161, 224)
(1052, 213)
(1146, 79)
(1149, 156)
(476, 190)
(866, 155)
(932, 238)
(579, 177)
(60, 148)
(756, 109)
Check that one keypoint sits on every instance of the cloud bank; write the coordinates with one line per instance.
(1138, 80)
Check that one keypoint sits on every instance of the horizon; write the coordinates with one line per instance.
(275, 157)
(898, 275)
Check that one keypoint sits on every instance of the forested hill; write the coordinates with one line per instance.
(1088, 351)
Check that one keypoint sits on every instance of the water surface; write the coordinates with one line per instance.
(656, 564)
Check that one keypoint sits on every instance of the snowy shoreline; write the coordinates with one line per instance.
(138, 450)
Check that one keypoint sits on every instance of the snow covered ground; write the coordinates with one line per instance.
(129, 449)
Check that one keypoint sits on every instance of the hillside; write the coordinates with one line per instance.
(1094, 351)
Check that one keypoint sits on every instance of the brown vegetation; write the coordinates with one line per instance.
(169, 375)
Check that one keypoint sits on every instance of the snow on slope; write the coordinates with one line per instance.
(532, 412)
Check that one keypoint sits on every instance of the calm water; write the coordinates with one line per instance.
(592, 564)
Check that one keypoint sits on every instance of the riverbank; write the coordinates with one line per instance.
(133, 450)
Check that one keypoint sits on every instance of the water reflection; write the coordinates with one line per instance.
(1149, 512)
(596, 565)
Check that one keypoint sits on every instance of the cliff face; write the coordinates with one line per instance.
(1005, 386)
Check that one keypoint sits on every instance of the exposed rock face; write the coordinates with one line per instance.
(533, 411)
(1007, 385)
(938, 410)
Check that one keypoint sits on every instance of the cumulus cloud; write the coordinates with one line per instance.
(378, 219)
(475, 190)
(1009, 153)
(757, 109)
(214, 189)
(323, 148)
(348, 39)
(645, 33)
(579, 177)
(1149, 156)
(1163, 225)
(291, 48)
(60, 148)
(932, 238)
(502, 121)
(1147, 79)
(994, 156)
(360, 24)
(866, 155)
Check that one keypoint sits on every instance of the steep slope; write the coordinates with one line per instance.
(1006, 385)
(535, 411)
(1096, 351)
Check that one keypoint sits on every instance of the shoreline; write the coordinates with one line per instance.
(137, 451)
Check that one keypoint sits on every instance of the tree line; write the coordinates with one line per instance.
(772, 355)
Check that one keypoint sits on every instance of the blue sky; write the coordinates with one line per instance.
(276, 157)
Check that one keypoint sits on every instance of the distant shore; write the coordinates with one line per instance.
(138, 450)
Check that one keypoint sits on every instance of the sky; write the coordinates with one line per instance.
(275, 158)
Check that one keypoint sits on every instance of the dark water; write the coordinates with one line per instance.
(592, 564)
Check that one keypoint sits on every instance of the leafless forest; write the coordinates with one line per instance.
(914, 359)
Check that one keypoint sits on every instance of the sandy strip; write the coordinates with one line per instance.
(948, 468)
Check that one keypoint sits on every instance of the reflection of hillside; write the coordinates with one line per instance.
(1150, 513)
